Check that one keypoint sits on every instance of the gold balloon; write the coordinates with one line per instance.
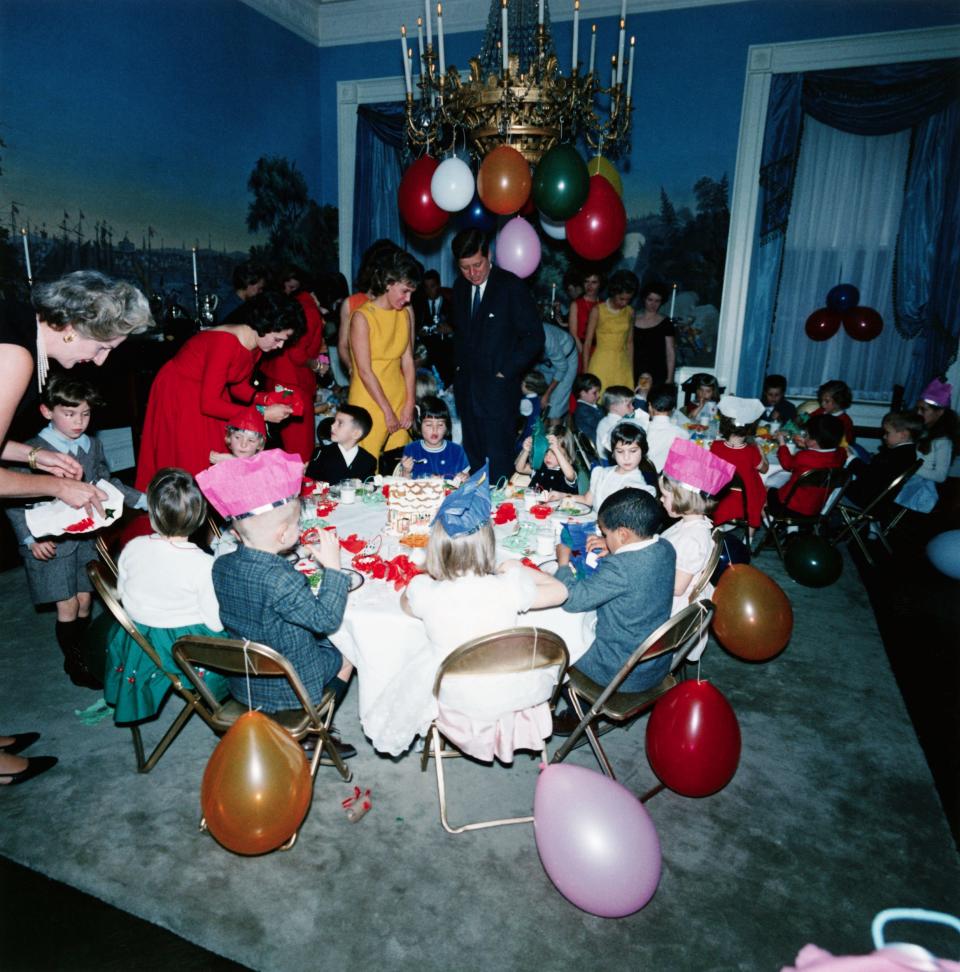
(257, 787)
(504, 180)
(754, 619)
(598, 165)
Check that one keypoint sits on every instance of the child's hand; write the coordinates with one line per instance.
(326, 551)
(781, 438)
(406, 464)
(527, 443)
(597, 544)
(553, 495)
(276, 413)
(461, 477)
(44, 549)
(509, 565)
(563, 554)
(552, 442)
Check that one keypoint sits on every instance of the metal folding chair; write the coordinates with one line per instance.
(517, 651)
(856, 520)
(677, 636)
(104, 552)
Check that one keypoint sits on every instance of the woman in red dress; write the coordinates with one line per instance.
(295, 366)
(580, 311)
(198, 389)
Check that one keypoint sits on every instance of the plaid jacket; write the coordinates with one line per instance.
(263, 598)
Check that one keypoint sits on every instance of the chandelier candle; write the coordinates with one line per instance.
(26, 256)
(426, 13)
(576, 32)
(503, 41)
(593, 46)
(673, 301)
(406, 61)
(194, 255)
(420, 44)
(633, 42)
(443, 60)
(623, 25)
(540, 13)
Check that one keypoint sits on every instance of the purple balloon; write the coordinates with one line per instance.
(596, 841)
(518, 247)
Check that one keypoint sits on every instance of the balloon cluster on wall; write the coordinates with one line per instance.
(843, 308)
(575, 200)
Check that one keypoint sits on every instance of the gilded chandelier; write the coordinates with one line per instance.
(516, 93)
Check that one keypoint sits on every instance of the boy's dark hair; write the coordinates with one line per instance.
(270, 312)
(468, 242)
(535, 381)
(396, 267)
(904, 422)
(614, 394)
(65, 390)
(634, 509)
(728, 427)
(825, 430)
(432, 407)
(247, 273)
(775, 381)
(838, 390)
(626, 433)
(585, 382)
(175, 503)
(623, 282)
(431, 275)
(361, 417)
(663, 398)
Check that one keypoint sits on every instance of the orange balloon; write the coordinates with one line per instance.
(256, 788)
(754, 618)
(504, 180)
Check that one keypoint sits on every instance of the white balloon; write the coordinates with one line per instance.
(555, 229)
(452, 185)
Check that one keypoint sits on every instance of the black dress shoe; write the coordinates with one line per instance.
(344, 750)
(36, 766)
(565, 723)
(21, 741)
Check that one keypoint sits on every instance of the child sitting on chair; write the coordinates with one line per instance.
(895, 456)
(586, 415)
(262, 596)
(820, 449)
(662, 430)
(344, 458)
(433, 454)
(738, 425)
(556, 472)
(246, 436)
(631, 590)
(617, 404)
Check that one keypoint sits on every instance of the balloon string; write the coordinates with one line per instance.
(246, 671)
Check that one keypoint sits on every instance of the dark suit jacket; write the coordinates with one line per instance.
(494, 351)
(421, 307)
(328, 466)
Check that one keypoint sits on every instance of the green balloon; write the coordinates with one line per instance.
(812, 561)
(561, 183)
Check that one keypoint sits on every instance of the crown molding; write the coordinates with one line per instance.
(330, 23)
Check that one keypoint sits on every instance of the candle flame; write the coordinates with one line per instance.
(593, 28)
(403, 30)
(439, 9)
(633, 41)
(419, 21)
(503, 3)
(23, 231)
(576, 4)
(623, 23)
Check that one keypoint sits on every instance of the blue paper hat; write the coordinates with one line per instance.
(466, 509)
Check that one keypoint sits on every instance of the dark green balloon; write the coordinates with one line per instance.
(812, 561)
(561, 183)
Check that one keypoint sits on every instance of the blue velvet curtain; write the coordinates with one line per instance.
(871, 101)
(377, 172)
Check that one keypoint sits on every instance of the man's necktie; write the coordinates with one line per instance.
(475, 307)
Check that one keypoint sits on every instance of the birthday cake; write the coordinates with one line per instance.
(412, 504)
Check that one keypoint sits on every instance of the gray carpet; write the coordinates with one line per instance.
(831, 817)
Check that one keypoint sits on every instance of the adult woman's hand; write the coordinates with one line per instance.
(390, 417)
(406, 415)
(276, 413)
(80, 495)
(58, 464)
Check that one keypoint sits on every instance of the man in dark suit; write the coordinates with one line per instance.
(431, 314)
(497, 337)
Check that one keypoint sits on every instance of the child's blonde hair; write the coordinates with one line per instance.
(467, 555)
(685, 500)
(262, 529)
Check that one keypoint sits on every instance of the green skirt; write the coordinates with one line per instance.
(131, 681)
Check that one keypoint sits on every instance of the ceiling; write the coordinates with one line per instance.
(328, 23)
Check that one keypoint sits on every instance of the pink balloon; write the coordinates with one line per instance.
(518, 247)
(596, 841)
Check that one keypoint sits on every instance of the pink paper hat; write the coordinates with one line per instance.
(239, 488)
(247, 420)
(696, 468)
(937, 393)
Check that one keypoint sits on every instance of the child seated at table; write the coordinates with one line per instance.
(262, 596)
(691, 481)
(631, 590)
(895, 456)
(532, 387)
(629, 449)
(617, 403)
(344, 458)
(776, 406)
(835, 398)
(820, 449)
(662, 430)
(556, 472)
(433, 454)
(704, 405)
(738, 425)
(586, 414)
(246, 435)
(642, 392)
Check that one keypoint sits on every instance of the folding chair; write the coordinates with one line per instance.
(708, 569)
(105, 586)
(741, 522)
(524, 668)
(678, 635)
(833, 481)
(104, 551)
(856, 519)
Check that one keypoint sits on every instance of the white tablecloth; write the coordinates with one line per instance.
(390, 649)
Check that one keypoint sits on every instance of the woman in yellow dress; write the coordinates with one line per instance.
(381, 347)
(611, 326)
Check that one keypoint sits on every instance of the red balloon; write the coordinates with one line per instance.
(823, 324)
(504, 180)
(597, 230)
(754, 619)
(417, 208)
(693, 739)
(862, 323)
(528, 208)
